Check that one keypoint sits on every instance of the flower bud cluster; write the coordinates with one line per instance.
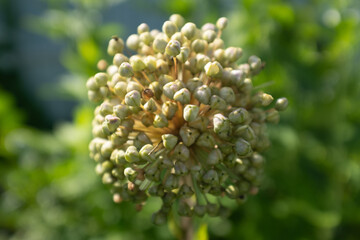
(180, 120)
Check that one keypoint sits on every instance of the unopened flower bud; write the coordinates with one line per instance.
(126, 70)
(143, 28)
(217, 103)
(101, 79)
(169, 141)
(239, 116)
(203, 94)
(199, 45)
(183, 96)
(213, 69)
(150, 105)
(211, 177)
(183, 55)
(169, 109)
(160, 121)
(180, 168)
(206, 140)
(133, 42)
(173, 48)
(169, 28)
(281, 104)
(133, 98)
(181, 152)
(221, 123)
(221, 23)
(242, 147)
(159, 44)
(137, 63)
(254, 62)
(190, 112)
(188, 135)
(116, 45)
(189, 30)
(232, 54)
(177, 19)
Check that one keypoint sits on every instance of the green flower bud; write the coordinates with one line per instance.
(152, 173)
(141, 139)
(184, 209)
(107, 166)
(128, 124)
(254, 62)
(143, 28)
(227, 94)
(188, 135)
(150, 63)
(180, 168)
(133, 86)
(164, 79)
(193, 83)
(206, 140)
(211, 177)
(126, 70)
(208, 26)
(120, 157)
(281, 104)
(232, 192)
(159, 218)
(170, 89)
(239, 116)
(203, 94)
(159, 44)
(132, 155)
(91, 84)
(213, 69)
(169, 109)
(121, 111)
(133, 98)
(181, 152)
(107, 178)
(257, 160)
(133, 42)
(171, 182)
(160, 121)
(165, 162)
(190, 112)
(221, 23)
(178, 37)
(245, 131)
(183, 96)
(217, 103)
(156, 190)
(209, 35)
(184, 54)
(145, 152)
(130, 174)
(119, 58)
(177, 19)
(112, 122)
(214, 157)
(137, 63)
(118, 172)
(156, 89)
(116, 45)
(272, 116)
(169, 28)
(101, 79)
(221, 123)
(237, 77)
(199, 210)
(200, 123)
(106, 108)
(169, 141)
(150, 105)
(185, 191)
(199, 45)
(118, 140)
(242, 147)
(217, 44)
(106, 149)
(188, 30)
(146, 38)
(232, 54)
(173, 48)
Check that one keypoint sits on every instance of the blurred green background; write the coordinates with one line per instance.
(48, 48)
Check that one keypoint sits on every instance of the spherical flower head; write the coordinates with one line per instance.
(181, 119)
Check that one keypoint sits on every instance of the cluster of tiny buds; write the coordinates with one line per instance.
(180, 120)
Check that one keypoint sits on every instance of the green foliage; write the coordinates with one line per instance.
(311, 190)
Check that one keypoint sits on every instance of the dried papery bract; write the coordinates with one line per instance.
(180, 119)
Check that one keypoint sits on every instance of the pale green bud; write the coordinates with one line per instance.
(281, 104)
(199, 45)
(91, 84)
(101, 79)
(169, 109)
(237, 77)
(181, 152)
(170, 89)
(221, 23)
(160, 121)
(171, 182)
(126, 70)
(173, 48)
(141, 139)
(130, 174)
(118, 140)
(232, 192)
(143, 27)
(150, 105)
(214, 157)
(245, 131)
(209, 35)
(188, 30)
(193, 83)
(132, 155)
(169, 28)
(227, 93)
(119, 58)
(200, 123)
(217, 44)
(272, 116)
(116, 45)
(242, 147)
(133, 42)
(221, 123)
(208, 26)
(211, 177)
(213, 69)
(188, 135)
(106, 149)
(232, 54)
(133, 98)
(178, 37)
(152, 173)
(155, 87)
(121, 111)
(206, 140)
(183, 96)
(145, 152)
(107, 166)
(137, 63)
(164, 79)
(112, 122)
(177, 19)
(146, 38)
(150, 63)
(201, 61)
(254, 62)
(147, 119)
(217, 103)
(190, 112)
(203, 94)
(159, 44)
(184, 54)
(180, 168)
(106, 108)
(185, 191)
(133, 86)
(239, 116)
(169, 141)
(257, 160)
